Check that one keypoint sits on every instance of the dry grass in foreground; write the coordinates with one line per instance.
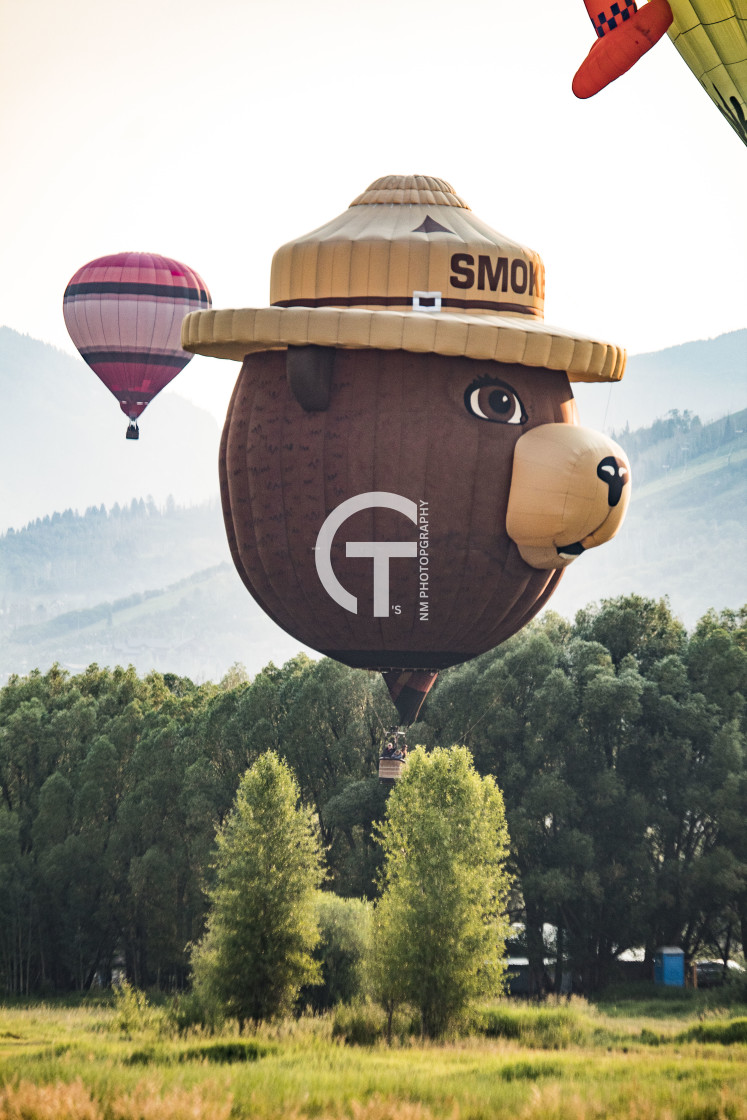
(565, 1062)
(74, 1101)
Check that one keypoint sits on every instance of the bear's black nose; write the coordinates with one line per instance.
(614, 472)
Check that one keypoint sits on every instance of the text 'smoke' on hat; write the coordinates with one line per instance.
(407, 266)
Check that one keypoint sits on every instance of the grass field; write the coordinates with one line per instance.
(679, 1058)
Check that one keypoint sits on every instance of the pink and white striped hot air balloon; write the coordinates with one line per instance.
(124, 313)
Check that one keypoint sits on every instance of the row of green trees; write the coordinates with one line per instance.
(617, 741)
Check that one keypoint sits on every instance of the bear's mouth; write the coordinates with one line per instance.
(568, 551)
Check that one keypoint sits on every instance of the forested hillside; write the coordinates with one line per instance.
(617, 743)
(76, 559)
(131, 585)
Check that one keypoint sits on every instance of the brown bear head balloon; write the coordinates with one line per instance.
(402, 471)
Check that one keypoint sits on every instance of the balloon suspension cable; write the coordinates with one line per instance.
(378, 717)
(470, 729)
(398, 729)
(607, 407)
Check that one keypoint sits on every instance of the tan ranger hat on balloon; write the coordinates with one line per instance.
(407, 266)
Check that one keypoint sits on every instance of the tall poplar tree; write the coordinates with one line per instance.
(440, 925)
(262, 928)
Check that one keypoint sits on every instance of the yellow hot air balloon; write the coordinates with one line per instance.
(711, 36)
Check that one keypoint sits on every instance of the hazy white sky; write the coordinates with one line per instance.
(214, 132)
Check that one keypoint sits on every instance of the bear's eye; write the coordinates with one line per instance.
(490, 399)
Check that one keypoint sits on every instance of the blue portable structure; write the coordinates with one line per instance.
(669, 966)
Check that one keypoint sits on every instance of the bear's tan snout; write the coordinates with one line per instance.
(570, 488)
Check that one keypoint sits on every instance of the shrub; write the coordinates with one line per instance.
(133, 1012)
(359, 1023)
(188, 1011)
(364, 1022)
(725, 1031)
(550, 1028)
(222, 1050)
(345, 934)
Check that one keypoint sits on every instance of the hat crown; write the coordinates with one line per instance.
(409, 243)
(392, 190)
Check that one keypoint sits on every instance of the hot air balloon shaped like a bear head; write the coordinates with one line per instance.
(403, 474)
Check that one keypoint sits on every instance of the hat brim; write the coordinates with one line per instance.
(485, 337)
